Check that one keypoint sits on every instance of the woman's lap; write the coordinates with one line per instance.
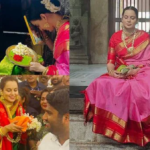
(126, 98)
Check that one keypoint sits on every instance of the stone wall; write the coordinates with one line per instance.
(79, 32)
(98, 38)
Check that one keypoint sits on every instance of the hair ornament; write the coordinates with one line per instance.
(50, 6)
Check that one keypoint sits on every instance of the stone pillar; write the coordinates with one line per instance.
(98, 31)
(78, 33)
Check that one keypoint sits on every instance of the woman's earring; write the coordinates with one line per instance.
(2, 97)
(46, 25)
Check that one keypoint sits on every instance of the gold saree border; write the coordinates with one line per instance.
(111, 50)
(110, 116)
(138, 49)
(129, 135)
(121, 46)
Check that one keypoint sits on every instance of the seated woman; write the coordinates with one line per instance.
(11, 137)
(49, 17)
(119, 103)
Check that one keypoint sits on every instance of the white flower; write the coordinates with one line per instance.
(50, 6)
(35, 124)
(22, 50)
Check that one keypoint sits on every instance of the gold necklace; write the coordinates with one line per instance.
(129, 49)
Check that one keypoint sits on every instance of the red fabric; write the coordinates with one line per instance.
(117, 52)
(52, 70)
(61, 48)
(4, 120)
(61, 42)
(132, 132)
(17, 58)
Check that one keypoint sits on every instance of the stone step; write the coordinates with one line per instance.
(76, 105)
(82, 138)
(79, 56)
(79, 61)
(76, 146)
(80, 133)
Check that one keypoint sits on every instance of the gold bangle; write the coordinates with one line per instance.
(45, 71)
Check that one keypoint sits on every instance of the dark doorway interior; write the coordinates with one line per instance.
(11, 18)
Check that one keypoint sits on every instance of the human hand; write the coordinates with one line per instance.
(132, 72)
(36, 93)
(116, 74)
(37, 67)
(12, 127)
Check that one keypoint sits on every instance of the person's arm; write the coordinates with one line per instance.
(110, 68)
(12, 127)
(111, 60)
(37, 67)
(111, 57)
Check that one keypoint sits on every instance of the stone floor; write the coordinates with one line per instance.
(83, 75)
(106, 147)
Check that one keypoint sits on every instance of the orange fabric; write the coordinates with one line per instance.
(21, 121)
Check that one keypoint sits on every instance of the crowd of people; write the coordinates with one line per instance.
(49, 104)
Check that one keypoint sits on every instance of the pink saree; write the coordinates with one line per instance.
(120, 108)
(61, 52)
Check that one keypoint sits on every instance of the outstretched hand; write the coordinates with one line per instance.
(12, 127)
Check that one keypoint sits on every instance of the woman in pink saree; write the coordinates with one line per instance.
(120, 104)
(48, 15)
(61, 52)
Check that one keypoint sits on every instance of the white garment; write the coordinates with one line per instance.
(50, 142)
(49, 83)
